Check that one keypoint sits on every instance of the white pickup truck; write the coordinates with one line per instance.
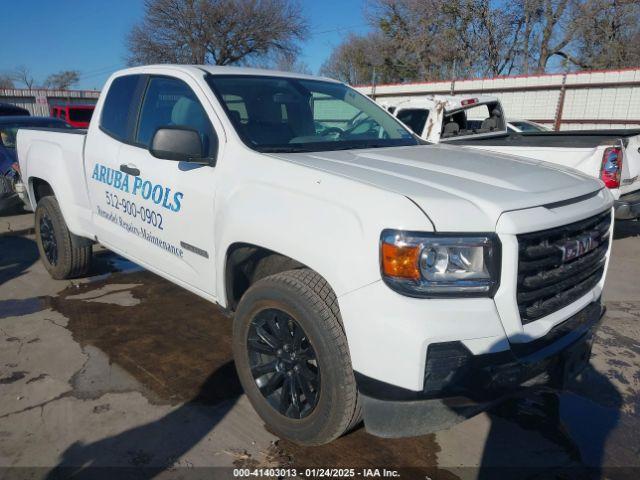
(478, 122)
(370, 275)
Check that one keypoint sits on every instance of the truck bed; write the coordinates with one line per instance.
(55, 155)
(566, 138)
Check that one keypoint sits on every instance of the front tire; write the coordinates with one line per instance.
(293, 360)
(63, 254)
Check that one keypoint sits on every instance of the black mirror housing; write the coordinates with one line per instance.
(179, 144)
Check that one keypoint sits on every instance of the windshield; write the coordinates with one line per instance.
(8, 132)
(275, 114)
(414, 118)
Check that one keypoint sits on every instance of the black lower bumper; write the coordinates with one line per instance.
(459, 385)
(627, 207)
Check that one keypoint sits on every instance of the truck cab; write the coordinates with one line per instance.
(447, 118)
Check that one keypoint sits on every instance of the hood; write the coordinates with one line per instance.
(459, 189)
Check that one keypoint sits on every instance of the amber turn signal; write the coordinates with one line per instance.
(401, 261)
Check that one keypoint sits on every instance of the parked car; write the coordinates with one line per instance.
(478, 122)
(78, 116)
(371, 275)
(12, 191)
(6, 109)
(517, 125)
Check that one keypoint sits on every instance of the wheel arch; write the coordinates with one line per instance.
(246, 263)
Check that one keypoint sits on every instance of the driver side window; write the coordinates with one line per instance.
(170, 102)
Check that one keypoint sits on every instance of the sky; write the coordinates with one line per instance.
(48, 36)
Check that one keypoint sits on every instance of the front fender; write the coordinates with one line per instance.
(335, 235)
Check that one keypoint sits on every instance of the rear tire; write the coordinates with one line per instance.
(297, 309)
(63, 254)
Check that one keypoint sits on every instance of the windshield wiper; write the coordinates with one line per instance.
(282, 149)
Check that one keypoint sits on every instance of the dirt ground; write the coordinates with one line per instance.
(127, 372)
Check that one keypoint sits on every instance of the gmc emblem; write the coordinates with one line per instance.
(576, 248)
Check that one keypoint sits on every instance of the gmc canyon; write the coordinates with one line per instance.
(371, 276)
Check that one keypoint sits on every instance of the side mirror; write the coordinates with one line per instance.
(179, 144)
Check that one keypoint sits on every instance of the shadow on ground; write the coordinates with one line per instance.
(16, 209)
(171, 342)
(626, 229)
(154, 447)
(17, 254)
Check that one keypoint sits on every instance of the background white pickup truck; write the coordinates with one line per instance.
(478, 122)
(370, 275)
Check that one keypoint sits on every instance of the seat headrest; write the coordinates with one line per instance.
(235, 116)
(187, 112)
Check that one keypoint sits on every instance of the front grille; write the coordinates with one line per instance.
(560, 265)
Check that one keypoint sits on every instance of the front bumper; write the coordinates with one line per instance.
(627, 207)
(458, 385)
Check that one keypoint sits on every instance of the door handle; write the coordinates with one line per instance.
(130, 169)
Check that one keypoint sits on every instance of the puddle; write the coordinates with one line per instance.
(413, 456)
(168, 339)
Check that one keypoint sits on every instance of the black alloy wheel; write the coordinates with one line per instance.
(48, 238)
(283, 363)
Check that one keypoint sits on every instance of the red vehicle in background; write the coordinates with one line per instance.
(78, 116)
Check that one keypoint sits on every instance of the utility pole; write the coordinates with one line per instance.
(558, 120)
(373, 82)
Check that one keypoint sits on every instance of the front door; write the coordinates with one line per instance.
(166, 209)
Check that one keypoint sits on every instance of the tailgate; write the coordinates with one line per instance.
(631, 166)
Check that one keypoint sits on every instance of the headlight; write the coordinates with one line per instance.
(440, 265)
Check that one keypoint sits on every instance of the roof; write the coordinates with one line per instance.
(26, 120)
(75, 105)
(222, 70)
(8, 109)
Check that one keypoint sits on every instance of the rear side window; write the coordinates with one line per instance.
(169, 102)
(120, 106)
(414, 118)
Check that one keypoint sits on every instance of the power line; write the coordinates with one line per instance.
(337, 29)
(100, 71)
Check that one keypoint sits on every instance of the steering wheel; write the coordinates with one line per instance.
(338, 132)
(369, 123)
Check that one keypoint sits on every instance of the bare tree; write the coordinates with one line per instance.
(354, 59)
(62, 80)
(555, 30)
(496, 36)
(287, 62)
(608, 34)
(23, 75)
(431, 39)
(6, 81)
(221, 32)
(440, 40)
